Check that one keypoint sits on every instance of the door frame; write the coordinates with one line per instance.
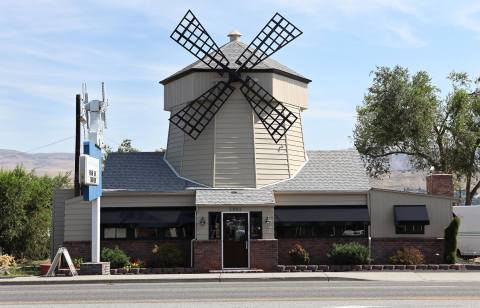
(248, 239)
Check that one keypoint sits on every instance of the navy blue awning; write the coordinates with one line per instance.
(147, 217)
(321, 214)
(407, 214)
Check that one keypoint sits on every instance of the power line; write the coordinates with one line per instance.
(49, 144)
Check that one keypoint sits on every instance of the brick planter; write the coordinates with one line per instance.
(264, 254)
(207, 255)
(377, 267)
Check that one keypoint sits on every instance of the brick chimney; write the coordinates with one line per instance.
(440, 184)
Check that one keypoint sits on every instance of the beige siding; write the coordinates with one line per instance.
(299, 199)
(270, 158)
(149, 200)
(382, 217)
(174, 152)
(295, 143)
(268, 229)
(198, 156)
(58, 217)
(78, 220)
(188, 88)
(234, 156)
(289, 91)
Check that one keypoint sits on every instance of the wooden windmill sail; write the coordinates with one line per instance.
(235, 113)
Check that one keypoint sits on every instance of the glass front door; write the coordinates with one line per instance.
(235, 240)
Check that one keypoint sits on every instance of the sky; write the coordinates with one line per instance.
(49, 48)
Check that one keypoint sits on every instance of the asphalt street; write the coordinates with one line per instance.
(246, 294)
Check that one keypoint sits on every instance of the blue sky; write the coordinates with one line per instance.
(50, 47)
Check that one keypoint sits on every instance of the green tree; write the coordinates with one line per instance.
(403, 114)
(126, 146)
(450, 249)
(25, 211)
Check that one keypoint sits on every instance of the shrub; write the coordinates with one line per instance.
(116, 257)
(168, 255)
(450, 249)
(407, 256)
(299, 255)
(77, 262)
(7, 261)
(349, 254)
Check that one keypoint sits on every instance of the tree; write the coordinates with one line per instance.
(25, 211)
(450, 235)
(403, 114)
(126, 147)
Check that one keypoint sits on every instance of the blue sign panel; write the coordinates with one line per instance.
(91, 193)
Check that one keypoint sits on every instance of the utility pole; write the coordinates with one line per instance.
(76, 180)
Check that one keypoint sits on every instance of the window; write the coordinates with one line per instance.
(255, 225)
(148, 223)
(114, 233)
(410, 229)
(214, 225)
(320, 230)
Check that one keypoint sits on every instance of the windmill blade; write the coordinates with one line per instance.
(194, 117)
(276, 118)
(276, 34)
(191, 35)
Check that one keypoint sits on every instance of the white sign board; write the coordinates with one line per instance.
(89, 170)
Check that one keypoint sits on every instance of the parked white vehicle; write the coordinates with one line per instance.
(469, 231)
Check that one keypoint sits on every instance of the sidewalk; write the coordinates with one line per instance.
(223, 277)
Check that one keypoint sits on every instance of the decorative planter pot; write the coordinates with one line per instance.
(44, 269)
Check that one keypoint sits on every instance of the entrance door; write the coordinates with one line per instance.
(235, 240)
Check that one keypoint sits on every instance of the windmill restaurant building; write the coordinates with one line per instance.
(233, 198)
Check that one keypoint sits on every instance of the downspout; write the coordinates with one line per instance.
(191, 241)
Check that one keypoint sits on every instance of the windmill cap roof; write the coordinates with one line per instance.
(234, 35)
(232, 51)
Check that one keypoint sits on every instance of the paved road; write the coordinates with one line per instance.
(246, 294)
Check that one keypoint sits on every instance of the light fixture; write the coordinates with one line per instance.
(267, 220)
(202, 221)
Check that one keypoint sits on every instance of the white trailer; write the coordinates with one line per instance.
(469, 231)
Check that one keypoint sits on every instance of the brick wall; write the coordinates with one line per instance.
(383, 248)
(207, 255)
(316, 247)
(264, 254)
(141, 249)
(440, 184)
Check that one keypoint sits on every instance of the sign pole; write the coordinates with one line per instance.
(96, 230)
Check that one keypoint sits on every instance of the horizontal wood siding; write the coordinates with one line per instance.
(78, 220)
(295, 143)
(188, 88)
(234, 156)
(198, 156)
(290, 91)
(174, 153)
(58, 217)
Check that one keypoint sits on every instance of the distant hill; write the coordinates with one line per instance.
(402, 177)
(42, 163)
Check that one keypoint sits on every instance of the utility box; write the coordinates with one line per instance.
(89, 170)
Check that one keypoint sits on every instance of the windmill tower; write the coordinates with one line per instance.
(235, 113)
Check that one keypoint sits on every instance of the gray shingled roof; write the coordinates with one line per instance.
(232, 51)
(234, 197)
(141, 171)
(340, 170)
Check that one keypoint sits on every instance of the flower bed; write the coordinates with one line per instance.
(378, 267)
(133, 271)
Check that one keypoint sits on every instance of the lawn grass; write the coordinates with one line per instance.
(25, 268)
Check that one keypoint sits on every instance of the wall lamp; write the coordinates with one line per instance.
(202, 221)
(268, 220)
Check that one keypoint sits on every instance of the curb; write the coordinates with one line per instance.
(173, 280)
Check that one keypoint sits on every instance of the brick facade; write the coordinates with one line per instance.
(138, 249)
(264, 254)
(384, 248)
(440, 184)
(207, 255)
(316, 247)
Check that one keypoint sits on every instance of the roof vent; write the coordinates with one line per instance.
(234, 35)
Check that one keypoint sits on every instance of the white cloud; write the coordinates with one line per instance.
(468, 17)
